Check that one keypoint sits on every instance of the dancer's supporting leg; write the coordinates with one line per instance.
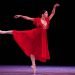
(33, 66)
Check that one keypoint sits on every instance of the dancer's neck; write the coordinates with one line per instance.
(43, 18)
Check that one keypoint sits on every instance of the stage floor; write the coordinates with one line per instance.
(41, 70)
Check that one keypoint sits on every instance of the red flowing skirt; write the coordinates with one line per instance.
(33, 42)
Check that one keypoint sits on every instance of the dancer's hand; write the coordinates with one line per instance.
(56, 5)
(17, 16)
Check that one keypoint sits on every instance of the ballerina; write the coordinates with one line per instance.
(34, 42)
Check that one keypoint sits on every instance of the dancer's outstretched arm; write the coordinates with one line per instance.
(24, 17)
(53, 10)
(6, 32)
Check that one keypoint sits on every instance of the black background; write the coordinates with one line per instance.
(11, 54)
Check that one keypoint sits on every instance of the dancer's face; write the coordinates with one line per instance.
(45, 14)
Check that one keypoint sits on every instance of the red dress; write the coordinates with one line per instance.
(34, 41)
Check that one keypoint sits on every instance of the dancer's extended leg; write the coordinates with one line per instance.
(6, 32)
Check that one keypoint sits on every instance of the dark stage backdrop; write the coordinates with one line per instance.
(10, 52)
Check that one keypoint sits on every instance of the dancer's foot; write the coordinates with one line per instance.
(33, 68)
(2, 32)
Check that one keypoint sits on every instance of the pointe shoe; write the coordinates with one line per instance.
(33, 68)
(1, 32)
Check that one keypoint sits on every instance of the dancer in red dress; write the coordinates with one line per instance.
(34, 42)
